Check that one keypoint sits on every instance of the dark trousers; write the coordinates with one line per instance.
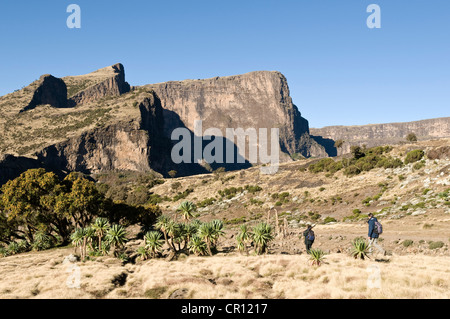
(308, 245)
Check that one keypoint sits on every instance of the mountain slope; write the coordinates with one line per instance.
(97, 122)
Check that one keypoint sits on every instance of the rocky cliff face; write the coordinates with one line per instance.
(381, 134)
(51, 91)
(12, 166)
(253, 100)
(94, 123)
(133, 145)
(108, 81)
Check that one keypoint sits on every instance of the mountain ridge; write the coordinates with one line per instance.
(62, 124)
(383, 133)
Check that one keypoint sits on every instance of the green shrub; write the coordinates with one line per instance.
(156, 199)
(414, 156)
(253, 188)
(329, 219)
(417, 166)
(255, 201)
(363, 160)
(13, 248)
(444, 194)
(356, 215)
(352, 170)
(172, 173)
(230, 192)
(411, 137)
(390, 162)
(325, 165)
(336, 199)
(206, 202)
(228, 178)
(4, 251)
(407, 242)
(281, 196)
(367, 201)
(314, 215)
(435, 245)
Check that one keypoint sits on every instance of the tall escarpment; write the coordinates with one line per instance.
(253, 100)
(128, 145)
(95, 123)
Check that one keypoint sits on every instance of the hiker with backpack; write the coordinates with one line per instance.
(309, 238)
(375, 229)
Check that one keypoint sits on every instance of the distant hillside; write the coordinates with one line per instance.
(381, 134)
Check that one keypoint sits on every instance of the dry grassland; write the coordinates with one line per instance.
(46, 275)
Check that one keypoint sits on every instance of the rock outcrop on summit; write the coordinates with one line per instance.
(109, 81)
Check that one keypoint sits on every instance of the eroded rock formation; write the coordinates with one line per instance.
(50, 90)
(108, 81)
(253, 100)
(130, 146)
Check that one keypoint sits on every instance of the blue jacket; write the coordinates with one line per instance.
(306, 233)
(372, 232)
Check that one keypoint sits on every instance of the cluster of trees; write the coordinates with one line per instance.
(38, 210)
(99, 238)
(194, 236)
(199, 238)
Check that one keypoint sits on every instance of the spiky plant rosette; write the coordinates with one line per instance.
(316, 256)
(360, 249)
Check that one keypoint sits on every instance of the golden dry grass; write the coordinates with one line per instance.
(233, 276)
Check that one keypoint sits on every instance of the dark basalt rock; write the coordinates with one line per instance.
(51, 90)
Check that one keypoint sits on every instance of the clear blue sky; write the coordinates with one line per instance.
(339, 71)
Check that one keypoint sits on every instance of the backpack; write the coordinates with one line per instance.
(378, 228)
(310, 236)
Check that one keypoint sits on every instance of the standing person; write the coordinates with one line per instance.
(309, 237)
(374, 235)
